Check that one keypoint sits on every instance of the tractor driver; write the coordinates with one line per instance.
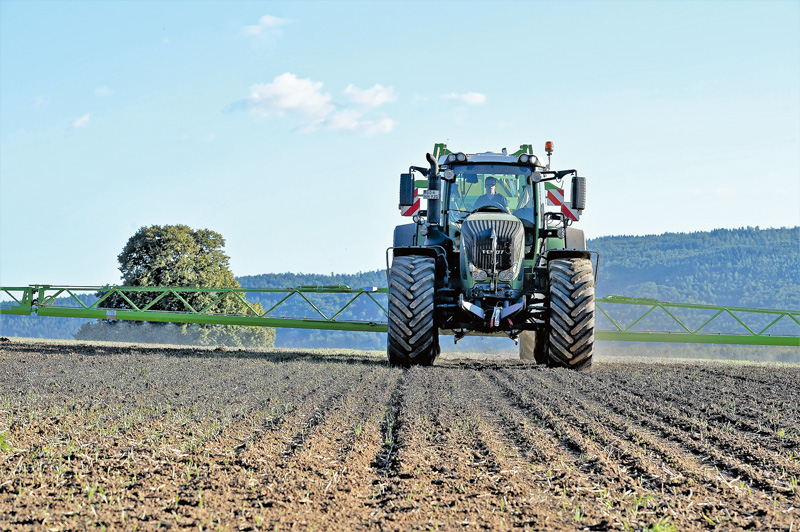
(491, 198)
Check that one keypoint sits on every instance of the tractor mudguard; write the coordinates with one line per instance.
(552, 254)
(574, 247)
(436, 252)
(404, 235)
(416, 250)
(574, 239)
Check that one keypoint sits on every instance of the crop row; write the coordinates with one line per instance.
(139, 437)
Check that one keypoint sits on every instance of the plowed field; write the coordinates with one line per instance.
(126, 437)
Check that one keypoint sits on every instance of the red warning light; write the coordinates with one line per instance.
(548, 147)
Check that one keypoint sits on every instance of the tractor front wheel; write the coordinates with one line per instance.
(571, 322)
(413, 338)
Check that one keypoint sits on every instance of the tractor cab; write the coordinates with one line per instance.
(488, 188)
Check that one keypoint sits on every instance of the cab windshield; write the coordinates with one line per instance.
(502, 186)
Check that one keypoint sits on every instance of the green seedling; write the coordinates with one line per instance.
(90, 491)
(5, 445)
(662, 525)
(638, 503)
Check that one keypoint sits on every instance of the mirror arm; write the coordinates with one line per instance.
(557, 174)
(423, 171)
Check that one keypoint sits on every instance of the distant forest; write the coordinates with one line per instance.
(749, 267)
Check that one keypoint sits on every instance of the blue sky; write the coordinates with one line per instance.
(284, 125)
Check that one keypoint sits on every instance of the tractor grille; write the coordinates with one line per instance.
(476, 241)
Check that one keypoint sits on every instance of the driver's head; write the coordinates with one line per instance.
(491, 184)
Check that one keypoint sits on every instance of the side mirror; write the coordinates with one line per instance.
(578, 193)
(406, 190)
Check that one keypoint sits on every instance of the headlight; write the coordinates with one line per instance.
(478, 275)
(451, 158)
(461, 157)
(507, 275)
(524, 158)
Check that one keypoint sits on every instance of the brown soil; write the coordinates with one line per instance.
(130, 437)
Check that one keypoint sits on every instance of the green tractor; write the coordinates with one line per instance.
(487, 258)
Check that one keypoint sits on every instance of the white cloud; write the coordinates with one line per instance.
(81, 122)
(289, 95)
(344, 120)
(351, 120)
(105, 90)
(376, 127)
(266, 24)
(373, 97)
(471, 98)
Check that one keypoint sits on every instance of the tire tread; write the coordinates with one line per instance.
(572, 314)
(413, 337)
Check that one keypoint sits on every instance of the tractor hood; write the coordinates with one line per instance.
(492, 248)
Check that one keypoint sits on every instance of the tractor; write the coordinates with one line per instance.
(489, 257)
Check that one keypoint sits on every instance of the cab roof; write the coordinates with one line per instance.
(490, 157)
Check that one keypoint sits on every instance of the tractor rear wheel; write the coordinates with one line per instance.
(413, 338)
(571, 322)
(533, 346)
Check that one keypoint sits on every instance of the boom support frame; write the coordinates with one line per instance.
(41, 300)
(48, 300)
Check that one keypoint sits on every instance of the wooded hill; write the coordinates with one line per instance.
(749, 267)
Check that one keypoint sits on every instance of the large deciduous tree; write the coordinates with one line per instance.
(177, 255)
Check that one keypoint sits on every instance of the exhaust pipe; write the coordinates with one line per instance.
(434, 205)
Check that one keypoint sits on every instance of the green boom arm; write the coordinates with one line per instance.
(42, 300)
(706, 317)
(66, 301)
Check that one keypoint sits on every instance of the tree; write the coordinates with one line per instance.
(176, 255)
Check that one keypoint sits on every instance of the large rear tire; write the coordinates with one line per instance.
(533, 346)
(413, 338)
(571, 323)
